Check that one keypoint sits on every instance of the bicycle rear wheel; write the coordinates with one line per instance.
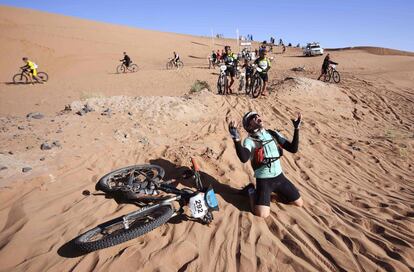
(43, 76)
(141, 174)
(133, 68)
(180, 64)
(20, 79)
(120, 69)
(336, 77)
(114, 231)
(256, 86)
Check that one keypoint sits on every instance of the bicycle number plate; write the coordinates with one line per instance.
(223, 68)
(198, 206)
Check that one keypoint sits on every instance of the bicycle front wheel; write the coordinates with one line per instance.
(133, 68)
(20, 79)
(43, 76)
(256, 86)
(221, 84)
(119, 179)
(169, 65)
(114, 232)
(336, 77)
(241, 84)
(120, 69)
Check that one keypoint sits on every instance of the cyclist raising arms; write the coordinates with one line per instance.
(263, 148)
(264, 64)
(230, 60)
(32, 67)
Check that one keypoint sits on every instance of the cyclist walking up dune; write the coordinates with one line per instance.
(325, 65)
(230, 60)
(264, 64)
(264, 148)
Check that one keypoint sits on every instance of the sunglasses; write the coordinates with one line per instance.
(255, 116)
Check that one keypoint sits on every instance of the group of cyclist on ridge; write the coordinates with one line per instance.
(231, 61)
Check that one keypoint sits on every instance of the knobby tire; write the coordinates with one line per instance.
(143, 222)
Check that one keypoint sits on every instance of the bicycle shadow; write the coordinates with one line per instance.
(231, 195)
(13, 83)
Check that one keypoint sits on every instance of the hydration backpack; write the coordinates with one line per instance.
(259, 156)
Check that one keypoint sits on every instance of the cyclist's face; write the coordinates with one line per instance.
(255, 122)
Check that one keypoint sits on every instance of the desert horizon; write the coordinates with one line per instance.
(353, 168)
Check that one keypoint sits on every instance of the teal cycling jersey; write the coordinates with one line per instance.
(270, 149)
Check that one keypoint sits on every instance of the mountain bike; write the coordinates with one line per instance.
(256, 83)
(122, 68)
(171, 64)
(332, 73)
(222, 82)
(145, 182)
(23, 77)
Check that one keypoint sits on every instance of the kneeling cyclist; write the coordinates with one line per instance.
(264, 148)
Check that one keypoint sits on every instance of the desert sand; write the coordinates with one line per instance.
(354, 168)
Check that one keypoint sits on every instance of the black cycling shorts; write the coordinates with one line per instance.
(231, 71)
(280, 185)
(264, 77)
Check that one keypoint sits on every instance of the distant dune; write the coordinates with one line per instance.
(354, 167)
(375, 50)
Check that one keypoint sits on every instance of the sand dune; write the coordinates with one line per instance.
(376, 50)
(354, 167)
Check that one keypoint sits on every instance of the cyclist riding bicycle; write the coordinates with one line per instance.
(230, 60)
(264, 147)
(126, 60)
(264, 64)
(32, 67)
(325, 65)
(176, 58)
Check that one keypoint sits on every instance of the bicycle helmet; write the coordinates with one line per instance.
(246, 120)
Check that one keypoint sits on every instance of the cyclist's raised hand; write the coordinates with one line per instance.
(234, 133)
(298, 121)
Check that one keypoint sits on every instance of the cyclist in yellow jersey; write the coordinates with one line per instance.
(32, 67)
(263, 63)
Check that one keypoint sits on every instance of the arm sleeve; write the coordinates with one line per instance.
(242, 152)
(287, 145)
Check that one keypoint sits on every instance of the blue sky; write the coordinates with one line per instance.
(333, 23)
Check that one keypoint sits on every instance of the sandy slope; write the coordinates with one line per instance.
(354, 168)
